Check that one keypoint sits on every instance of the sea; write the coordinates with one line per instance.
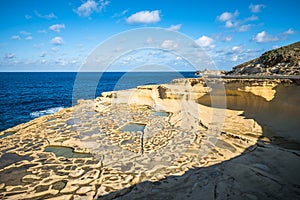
(28, 95)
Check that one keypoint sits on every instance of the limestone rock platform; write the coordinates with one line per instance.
(161, 142)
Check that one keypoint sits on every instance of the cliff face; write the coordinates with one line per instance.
(273, 103)
(282, 61)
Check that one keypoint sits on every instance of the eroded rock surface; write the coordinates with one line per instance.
(161, 142)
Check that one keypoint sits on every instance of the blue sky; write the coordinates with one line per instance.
(55, 35)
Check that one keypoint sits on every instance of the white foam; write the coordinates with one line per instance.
(45, 112)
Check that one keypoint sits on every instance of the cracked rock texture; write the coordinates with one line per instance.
(200, 139)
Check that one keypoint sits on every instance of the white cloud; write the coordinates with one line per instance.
(144, 17)
(237, 49)
(87, 8)
(120, 14)
(252, 18)
(124, 12)
(227, 38)
(174, 27)
(9, 56)
(43, 54)
(28, 38)
(15, 37)
(54, 49)
(28, 16)
(231, 21)
(231, 24)
(234, 58)
(90, 6)
(225, 16)
(56, 27)
(25, 33)
(42, 31)
(118, 49)
(205, 41)
(74, 61)
(290, 31)
(38, 46)
(244, 28)
(264, 37)
(47, 16)
(149, 40)
(223, 57)
(57, 41)
(169, 44)
(256, 8)
(61, 62)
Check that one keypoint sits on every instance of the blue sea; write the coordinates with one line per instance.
(27, 95)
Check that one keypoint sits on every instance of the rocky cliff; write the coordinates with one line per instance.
(282, 61)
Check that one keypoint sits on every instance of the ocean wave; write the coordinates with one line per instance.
(45, 112)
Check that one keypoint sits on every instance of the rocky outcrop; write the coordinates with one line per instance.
(264, 167)
(282, 61)
(209, 137)
(207, 72)
(266, 99)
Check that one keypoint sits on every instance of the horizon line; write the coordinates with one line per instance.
(93, 71)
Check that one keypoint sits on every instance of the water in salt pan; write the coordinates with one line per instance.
(7, 134)
(161, 113)
(133, 127)
(67, 152)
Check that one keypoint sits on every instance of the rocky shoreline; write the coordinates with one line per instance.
(162, 141)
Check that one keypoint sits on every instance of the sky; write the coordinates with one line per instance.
(56, 35)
